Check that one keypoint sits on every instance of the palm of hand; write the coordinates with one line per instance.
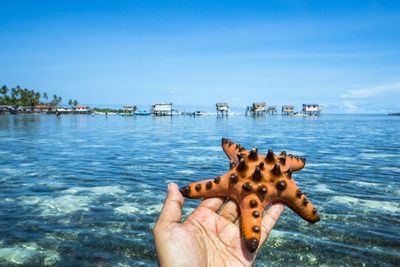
(210, 236)
(213, 239)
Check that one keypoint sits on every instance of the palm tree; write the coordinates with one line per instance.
(25, 97)
(4, 91)
(45, 97)
(54, 101)
(70, 102)
(14, 94)
(18, 95)
(37, 98)
(76, 103)
(29, 94)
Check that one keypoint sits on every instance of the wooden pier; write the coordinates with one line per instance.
(162, 109)
(222, 108)
(287, 110)
(129, 109)
(271, 110)
(257, 109)
(311, 109)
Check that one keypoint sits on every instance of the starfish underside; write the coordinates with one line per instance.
(253, 182)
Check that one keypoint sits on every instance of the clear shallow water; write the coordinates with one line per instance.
(85, 190)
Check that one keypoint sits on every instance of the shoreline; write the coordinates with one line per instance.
(203, 115)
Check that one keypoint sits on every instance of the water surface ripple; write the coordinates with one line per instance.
(86, 190)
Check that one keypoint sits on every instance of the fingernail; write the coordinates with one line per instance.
(169, 186)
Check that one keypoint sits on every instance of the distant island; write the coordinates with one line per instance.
(18, 100)
(18, 96)
(22, 100)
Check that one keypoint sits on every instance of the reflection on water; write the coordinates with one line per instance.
(84, 190)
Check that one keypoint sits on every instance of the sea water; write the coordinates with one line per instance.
(87, 190)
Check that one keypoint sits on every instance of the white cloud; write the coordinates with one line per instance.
(372, 91)
(349, 106)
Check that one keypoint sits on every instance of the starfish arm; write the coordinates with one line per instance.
(295, 163)
(216, 187)
(231, 149)
(251, 210)
(290, 162)
(300, 204)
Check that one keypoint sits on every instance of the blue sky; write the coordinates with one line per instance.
(344, 55)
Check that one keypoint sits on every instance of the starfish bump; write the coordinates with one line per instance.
(253, 182)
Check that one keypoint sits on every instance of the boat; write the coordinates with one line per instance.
(142, 113)
(394, 114)
(296, 114)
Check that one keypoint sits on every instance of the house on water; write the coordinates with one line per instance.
(162, 109)
(257, 109)
(23, 109)
(222, 108)
(271, 110)
(44, 108)
(312, 109)
(287, 110)
(129, 109)
(6, 109)
(81, 110)
(64, 110)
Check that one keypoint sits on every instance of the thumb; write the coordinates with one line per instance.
(269, 219)
(172, 209)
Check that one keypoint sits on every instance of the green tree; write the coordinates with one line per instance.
(4, 90)
(27, 97)
(54, 101)
(24, 97)
(36, 98)
(70, 102)
(4, 99)
(75, 103)
(15, 92)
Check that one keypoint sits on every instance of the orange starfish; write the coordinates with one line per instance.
(253, 182)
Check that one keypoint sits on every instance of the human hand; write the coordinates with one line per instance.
(210, 236)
